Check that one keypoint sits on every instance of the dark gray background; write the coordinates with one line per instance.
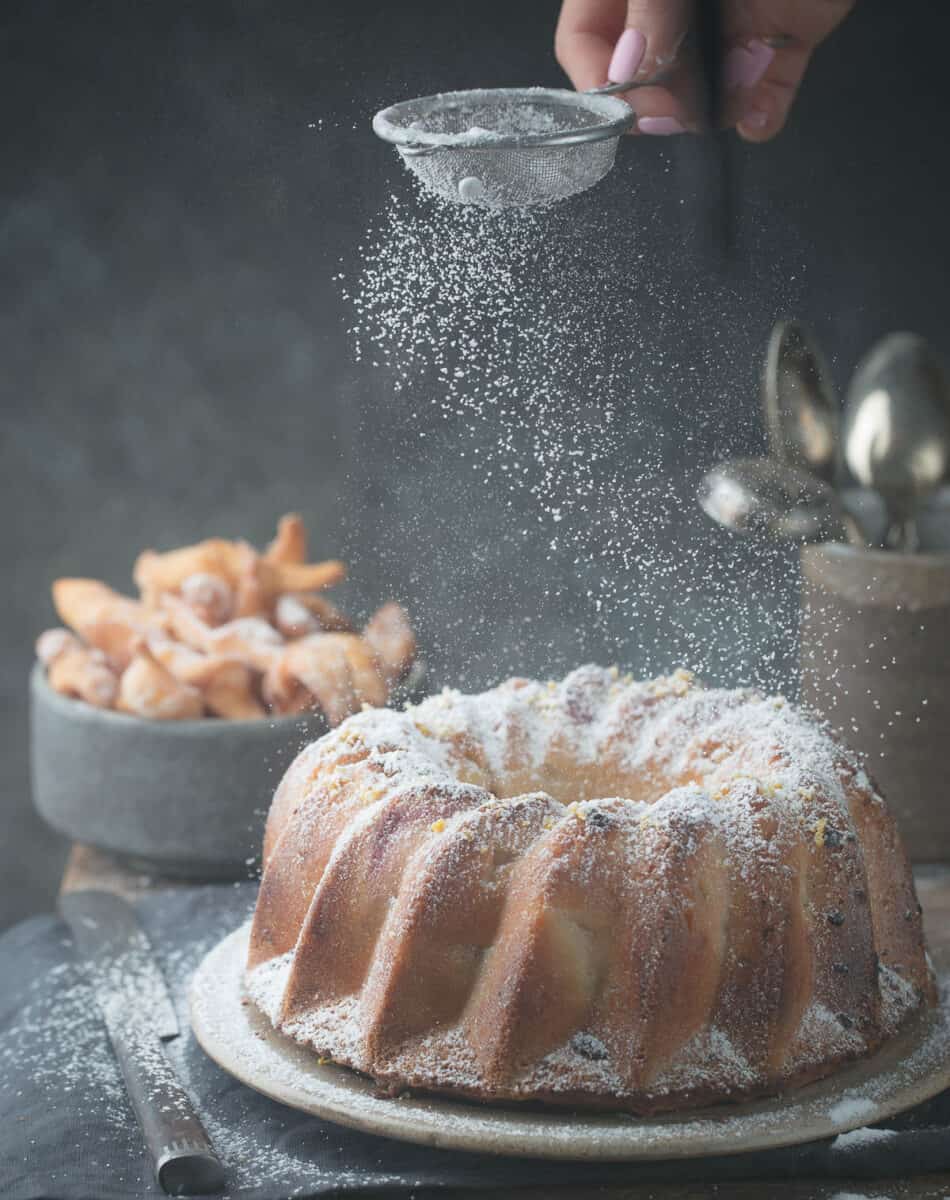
(175, 361)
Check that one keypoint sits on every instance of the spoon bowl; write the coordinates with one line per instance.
(802, 413)
(896, 430)
(774, 500)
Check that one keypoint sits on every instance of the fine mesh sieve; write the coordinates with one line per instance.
(508, 147)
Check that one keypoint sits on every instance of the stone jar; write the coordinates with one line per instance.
(875, 657)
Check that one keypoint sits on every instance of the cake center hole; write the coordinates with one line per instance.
(586, 781)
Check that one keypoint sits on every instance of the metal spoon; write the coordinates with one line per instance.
(869, 512)
(896, 431)
(802, 412)
(762, 496)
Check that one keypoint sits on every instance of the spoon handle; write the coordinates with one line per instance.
(903, 535)
(854, 534)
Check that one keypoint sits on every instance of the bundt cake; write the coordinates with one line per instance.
(594, 892)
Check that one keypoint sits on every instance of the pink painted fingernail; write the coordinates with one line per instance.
(745, 65)
(627, 56)
(660, 125)
(755, 119)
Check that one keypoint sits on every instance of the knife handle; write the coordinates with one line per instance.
(185, 1160)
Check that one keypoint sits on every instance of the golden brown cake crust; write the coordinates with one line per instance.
(594, 892)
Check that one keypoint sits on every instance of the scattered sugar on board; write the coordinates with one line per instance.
(862, 1137)
(252, 1161)
(59, 1041)
(875, 1195)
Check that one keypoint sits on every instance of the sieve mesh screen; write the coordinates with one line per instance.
(507, 147)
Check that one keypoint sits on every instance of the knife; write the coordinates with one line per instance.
(140, 1017)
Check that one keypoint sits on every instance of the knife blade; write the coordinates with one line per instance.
(113, 945)
(139, 1017)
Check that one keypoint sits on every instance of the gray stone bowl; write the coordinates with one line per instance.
(185, 798)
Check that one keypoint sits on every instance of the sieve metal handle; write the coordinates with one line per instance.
(611, 89)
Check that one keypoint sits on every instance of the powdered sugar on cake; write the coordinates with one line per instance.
(615, 835)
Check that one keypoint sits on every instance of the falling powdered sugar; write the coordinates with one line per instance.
(570, 388)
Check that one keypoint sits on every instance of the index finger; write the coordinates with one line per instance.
(587, 31)
(626, 40)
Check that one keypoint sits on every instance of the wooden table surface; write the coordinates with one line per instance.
(93, 868)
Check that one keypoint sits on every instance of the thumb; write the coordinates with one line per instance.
(618, 40)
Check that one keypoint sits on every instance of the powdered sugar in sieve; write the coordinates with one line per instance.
(507, 147)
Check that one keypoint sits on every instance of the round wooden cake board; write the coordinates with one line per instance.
(912, 1068)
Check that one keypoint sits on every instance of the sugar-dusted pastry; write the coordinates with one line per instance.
(297, 614)
(76, 670)
(336, 673)
(251, 640)
(211, 597)
(148, 689)
(301, 577)
(158, 573)
(104, 618)
(184, 624)
(290, 544)
(245, 633)
(252, 594)
(283, 693)
(338, 669)
(293, 618)
(257, 579)
(52, 642)
(390, 635)
(319, 665)
(368, 685)
(226, 684)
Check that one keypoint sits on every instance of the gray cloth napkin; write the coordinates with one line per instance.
(67, 1132)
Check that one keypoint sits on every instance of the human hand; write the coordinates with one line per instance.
(767, 47)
